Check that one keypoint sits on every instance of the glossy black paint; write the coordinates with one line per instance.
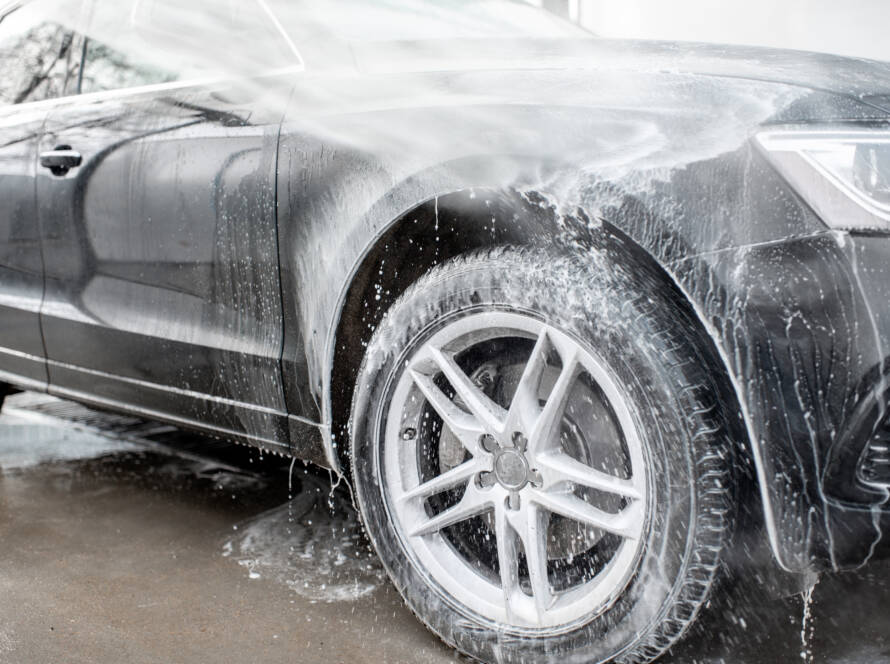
(162, 282)
(21, 262)
(223, 250)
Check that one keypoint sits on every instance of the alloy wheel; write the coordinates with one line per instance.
(514, 473)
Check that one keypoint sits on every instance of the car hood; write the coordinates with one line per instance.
(865, 80)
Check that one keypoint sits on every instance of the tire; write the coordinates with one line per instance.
(565, 564)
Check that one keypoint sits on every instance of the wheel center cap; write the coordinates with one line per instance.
(511, 469)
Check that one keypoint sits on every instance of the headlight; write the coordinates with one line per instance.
(843, 175)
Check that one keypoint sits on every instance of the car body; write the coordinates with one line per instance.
(225, 247)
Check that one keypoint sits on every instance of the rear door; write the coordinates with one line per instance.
(162, 288)
(39, 58)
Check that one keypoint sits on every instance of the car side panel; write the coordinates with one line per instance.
(21, 264)
(163, 291)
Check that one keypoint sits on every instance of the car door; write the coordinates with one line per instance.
(39, 58)
(159, 235)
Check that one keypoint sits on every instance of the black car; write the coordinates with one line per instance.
(576, 314)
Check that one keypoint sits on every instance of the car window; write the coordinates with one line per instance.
(107, 68)
(140, 42)
(39, 52)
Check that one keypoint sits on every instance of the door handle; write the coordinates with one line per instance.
(61, 159)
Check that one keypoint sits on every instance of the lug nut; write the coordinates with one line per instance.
(409, 433)
(488, 443)
(485, 480)
(520, 442)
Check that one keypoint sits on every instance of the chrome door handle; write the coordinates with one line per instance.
(61, 159)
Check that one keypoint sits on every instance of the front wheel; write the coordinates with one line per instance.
(537, 459)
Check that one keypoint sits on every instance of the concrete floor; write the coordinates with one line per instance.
(155, 546)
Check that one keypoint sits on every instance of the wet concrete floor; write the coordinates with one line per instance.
(124, 541)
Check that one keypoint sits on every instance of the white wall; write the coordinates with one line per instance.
(850, 27)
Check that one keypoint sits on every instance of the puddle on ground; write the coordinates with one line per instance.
(314, 544)
(25, 444)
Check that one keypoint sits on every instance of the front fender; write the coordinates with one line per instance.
(745, 252)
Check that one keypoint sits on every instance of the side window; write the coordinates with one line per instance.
(39, 53)
(106, 68)
(131, 43)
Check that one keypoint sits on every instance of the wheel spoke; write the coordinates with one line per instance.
(447, 480)
(469, 506)
(462, 424)
(530, 524)
(625, 523)
(524, 408)
(520, 607)
(542, 435)
(508, 561)
(558, 467)
(489, 414)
